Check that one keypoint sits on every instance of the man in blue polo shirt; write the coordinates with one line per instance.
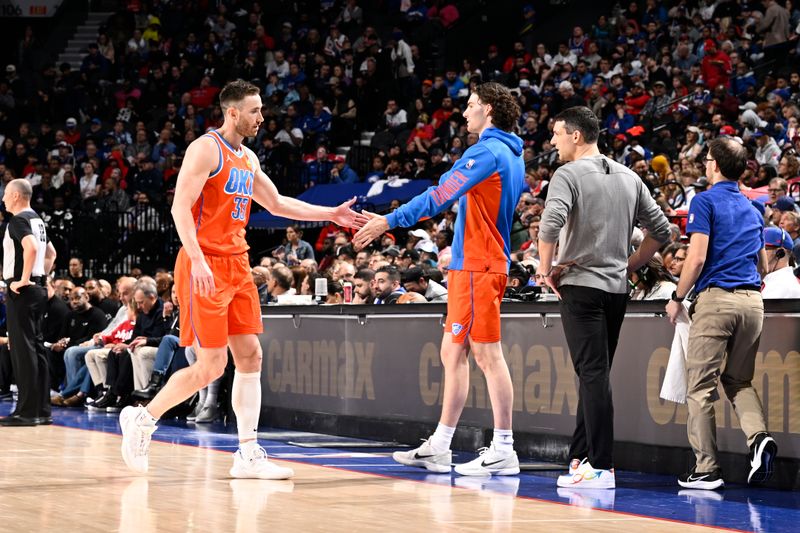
(725, 252)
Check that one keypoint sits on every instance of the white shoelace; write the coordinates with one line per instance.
(257, 454)
(143, 445)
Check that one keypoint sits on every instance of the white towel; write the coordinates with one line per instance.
(674, 387)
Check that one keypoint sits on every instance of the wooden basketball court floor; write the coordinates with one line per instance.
(70, 477)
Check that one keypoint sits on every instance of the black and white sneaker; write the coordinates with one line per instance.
(762, 454)
(701, 480)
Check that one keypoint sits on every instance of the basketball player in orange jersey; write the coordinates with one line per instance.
(217, 182)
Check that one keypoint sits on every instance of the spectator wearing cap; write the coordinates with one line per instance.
(341, 171)
(784, 204)
(768, 152)
(72, 135)
(780, 281)
(407, 257)
(716, 65)
(417, 236)
(657, 107)
(391, 254)
(387, 285)
(416, 280)
(636, 99)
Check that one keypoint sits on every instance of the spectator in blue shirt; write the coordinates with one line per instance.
(318, 170)
(317, 125)
(619, 121)
(453, 83)
(341, 171)
(163, 148)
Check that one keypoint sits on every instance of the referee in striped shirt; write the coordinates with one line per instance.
(28, 257)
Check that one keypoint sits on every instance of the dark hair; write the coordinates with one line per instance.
(730, 155)
(298, 275)
(653, 272)
(236, 91)
(505, 109)
(391, 270)
(365, 274)
(582, 119)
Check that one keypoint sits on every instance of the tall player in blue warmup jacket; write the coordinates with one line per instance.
(487, 182)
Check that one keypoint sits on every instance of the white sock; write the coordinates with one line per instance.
(441, 438)
(211, 399)
(246, 403)
(503, 440)
(248, 446)
(146, 419)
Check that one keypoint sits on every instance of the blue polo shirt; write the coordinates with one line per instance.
(735, 236)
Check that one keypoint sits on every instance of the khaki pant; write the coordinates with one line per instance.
(723, 341)
(97, 363)
(143, 359)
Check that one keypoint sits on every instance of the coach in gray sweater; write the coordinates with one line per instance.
(592, 206)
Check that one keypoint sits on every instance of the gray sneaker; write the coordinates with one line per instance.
(197, 409)
(207, 415)
(425, 457)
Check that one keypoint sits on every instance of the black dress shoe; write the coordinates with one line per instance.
(44, 420)
(17, 421)
(149, 392)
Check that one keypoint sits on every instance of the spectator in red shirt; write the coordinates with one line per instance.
(203, 96)
(716, 65)
(636, 99)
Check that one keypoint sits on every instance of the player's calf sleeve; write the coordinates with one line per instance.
(246, 403)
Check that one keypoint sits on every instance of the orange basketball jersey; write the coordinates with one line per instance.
(223, 208)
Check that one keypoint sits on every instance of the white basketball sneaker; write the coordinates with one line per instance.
(136, 433)
(425, 457)
(491, 461)
(254, 464)
(588, 477)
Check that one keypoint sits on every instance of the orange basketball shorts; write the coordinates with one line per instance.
(473, 305)
(234, 308)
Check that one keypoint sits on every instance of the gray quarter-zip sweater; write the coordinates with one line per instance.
(592, 206)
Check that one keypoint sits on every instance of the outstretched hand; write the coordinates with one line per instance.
(374, 228)
(346, 217)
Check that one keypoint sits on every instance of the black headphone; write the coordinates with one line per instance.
(780, 253)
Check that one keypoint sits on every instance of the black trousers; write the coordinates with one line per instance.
(592, 320)
(6, 370)
(119, 377)
(28, 356)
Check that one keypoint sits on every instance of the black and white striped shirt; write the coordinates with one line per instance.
(20, 226)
